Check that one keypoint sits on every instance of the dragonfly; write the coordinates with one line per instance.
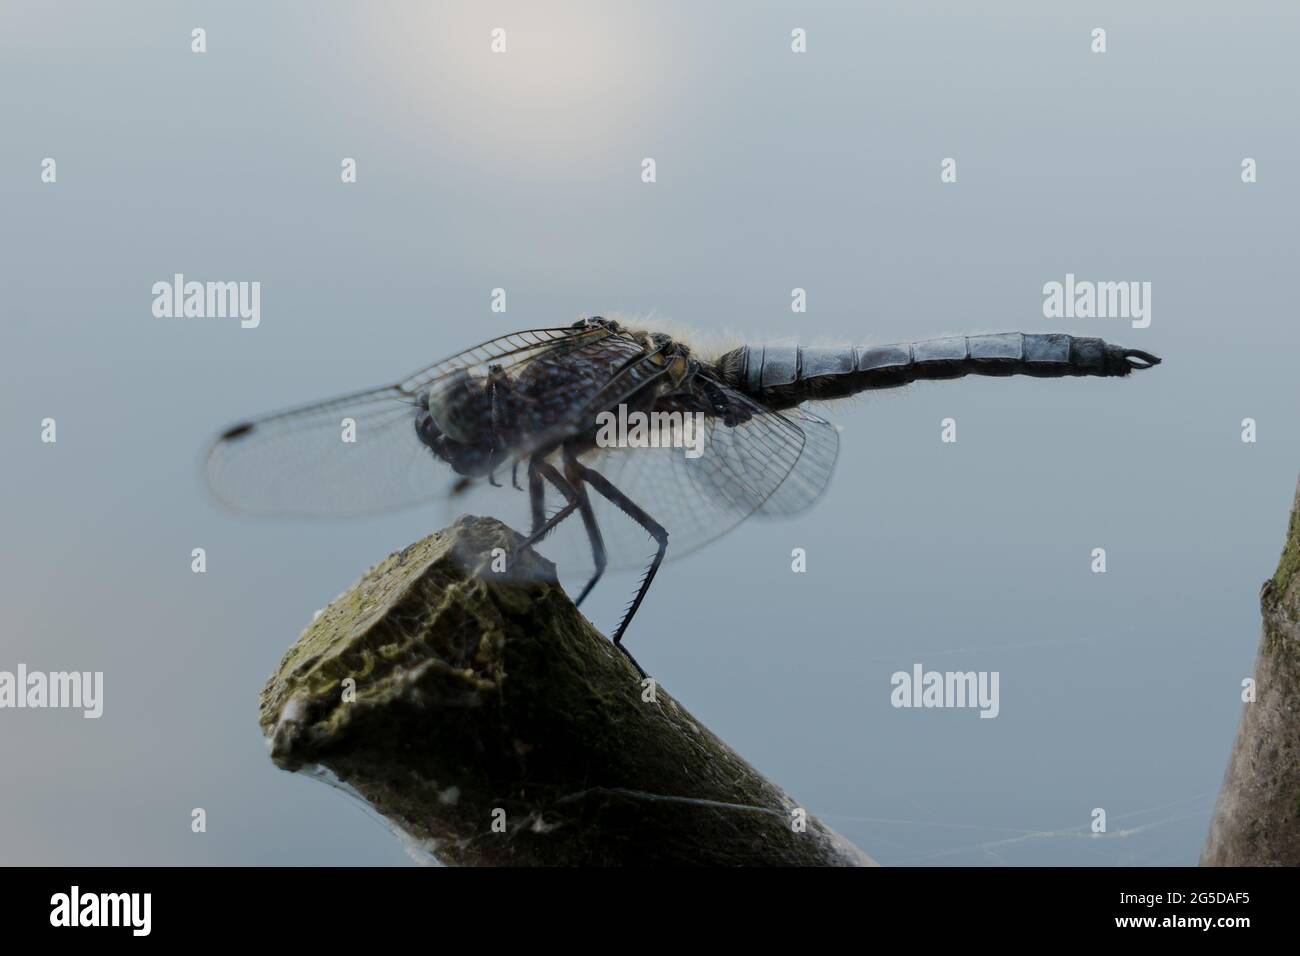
(530, 414)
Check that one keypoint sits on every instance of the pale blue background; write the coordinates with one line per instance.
(775, 171)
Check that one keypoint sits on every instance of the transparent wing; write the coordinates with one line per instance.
(518, 347)
(812, 472)
(768, 463)
(353, 455)
(358, 454)
(765, 462)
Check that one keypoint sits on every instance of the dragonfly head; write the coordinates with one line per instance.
(445, 412)
(466, 459)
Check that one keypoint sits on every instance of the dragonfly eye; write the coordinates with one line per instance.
(429, 434)
(445, 414)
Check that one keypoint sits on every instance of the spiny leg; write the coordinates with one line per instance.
(655, 530)
(543, 468)
(536, 495)
(537, 465)
(573, 472)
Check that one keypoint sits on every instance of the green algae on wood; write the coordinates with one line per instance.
(487, 720)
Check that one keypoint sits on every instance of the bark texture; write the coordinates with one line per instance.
(487, 720)
(1257, 818)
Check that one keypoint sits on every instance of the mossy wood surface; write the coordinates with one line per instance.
(477, 695)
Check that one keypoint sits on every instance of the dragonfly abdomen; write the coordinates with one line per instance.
(791, 374)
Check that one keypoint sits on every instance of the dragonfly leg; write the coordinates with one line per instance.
(547, 470)
(657, 531)
(536, 495)
(572, 471)
(543, 470)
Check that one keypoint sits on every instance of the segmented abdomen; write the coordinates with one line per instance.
(805, 372)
